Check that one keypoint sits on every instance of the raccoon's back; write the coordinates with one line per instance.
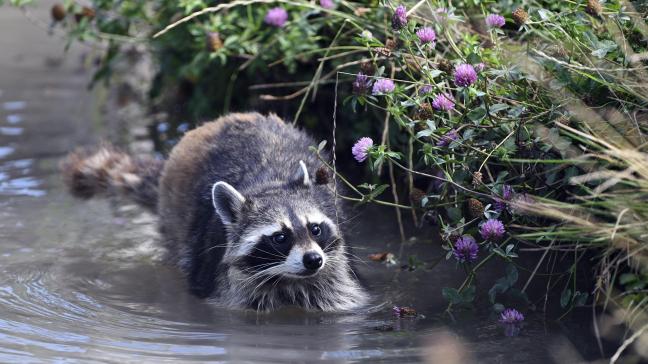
(244, 150)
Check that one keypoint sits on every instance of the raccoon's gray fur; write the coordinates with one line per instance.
(239, 213)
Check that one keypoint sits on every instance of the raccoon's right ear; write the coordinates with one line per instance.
(227, 201)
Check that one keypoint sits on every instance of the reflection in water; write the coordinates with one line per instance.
(5, 130)
(5, 151)
(15, 179)
(14, 118)
(14, 105)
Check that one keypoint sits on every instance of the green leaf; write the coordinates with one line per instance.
(511, 274)
(565, 298)
(494, 109)
(468, 294)
(477, 115)
(627, 278)
(603, 48)
(321, 146)
(451, 295)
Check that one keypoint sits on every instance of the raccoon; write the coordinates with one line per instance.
(238, 212)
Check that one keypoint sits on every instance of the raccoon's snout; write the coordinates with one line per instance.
(312, 261)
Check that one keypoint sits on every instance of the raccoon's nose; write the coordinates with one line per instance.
(312, 261)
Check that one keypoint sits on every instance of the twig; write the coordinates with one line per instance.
(399, 218)
(627, 342)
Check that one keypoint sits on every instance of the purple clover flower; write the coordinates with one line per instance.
(448, 138)
(465, 75)
(360, 149)
(277, 17)
(383, 86)
(399, 19)
(480, 66)
(425, 89)
(507, 195)
(443, 102)
(465, 249)
(362, 84)
(511, 316)
(327, 4)
(495, 21)
(426, 35)
(492, 230)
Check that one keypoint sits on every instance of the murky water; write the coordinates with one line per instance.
(83, 281)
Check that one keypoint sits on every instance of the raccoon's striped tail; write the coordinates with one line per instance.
(107, 171)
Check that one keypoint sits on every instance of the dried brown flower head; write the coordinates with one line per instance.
(594, 7)
(475, 208)
(58, 12)
(477, 178)
(322, 176)
(445, 66)
(520, 16)
(214, 41)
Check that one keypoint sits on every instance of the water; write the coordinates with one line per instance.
(83, 281)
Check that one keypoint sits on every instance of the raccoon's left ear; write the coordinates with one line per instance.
(301, 178)
(227, 201)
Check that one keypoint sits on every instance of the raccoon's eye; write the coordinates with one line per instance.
(279, 238)
(315, 230)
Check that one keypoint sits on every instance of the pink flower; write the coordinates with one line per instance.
(444, 102)
(360, 149)
(511, 316)
(327, 4)
(399, 19)
(465, 249)
(383, 86)
(465, 75)
(426, 35)
(492, 230)
(448, 138)
(480, 66)
(276, 17)
(495, 21)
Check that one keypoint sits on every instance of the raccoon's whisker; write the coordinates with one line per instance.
(213, 247)
(329, 244)
(350, 219)
(280, 255)
(271, 274)
(355, 257)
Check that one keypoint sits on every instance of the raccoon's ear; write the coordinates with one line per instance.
(227, 201)
(301, 178)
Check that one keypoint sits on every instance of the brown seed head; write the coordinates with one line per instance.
(214, 41)
(368, 68)
(424, 112)
(322, 176)
(477, 178)
(86, 12)
(594, 7)
(475, 208)
(520, 16)
(445, 66)
(58, 12)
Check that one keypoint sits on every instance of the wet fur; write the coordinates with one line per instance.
(258, 155)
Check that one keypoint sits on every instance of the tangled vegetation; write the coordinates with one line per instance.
(510, 125)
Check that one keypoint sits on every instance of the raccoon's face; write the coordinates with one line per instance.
(280, 231)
